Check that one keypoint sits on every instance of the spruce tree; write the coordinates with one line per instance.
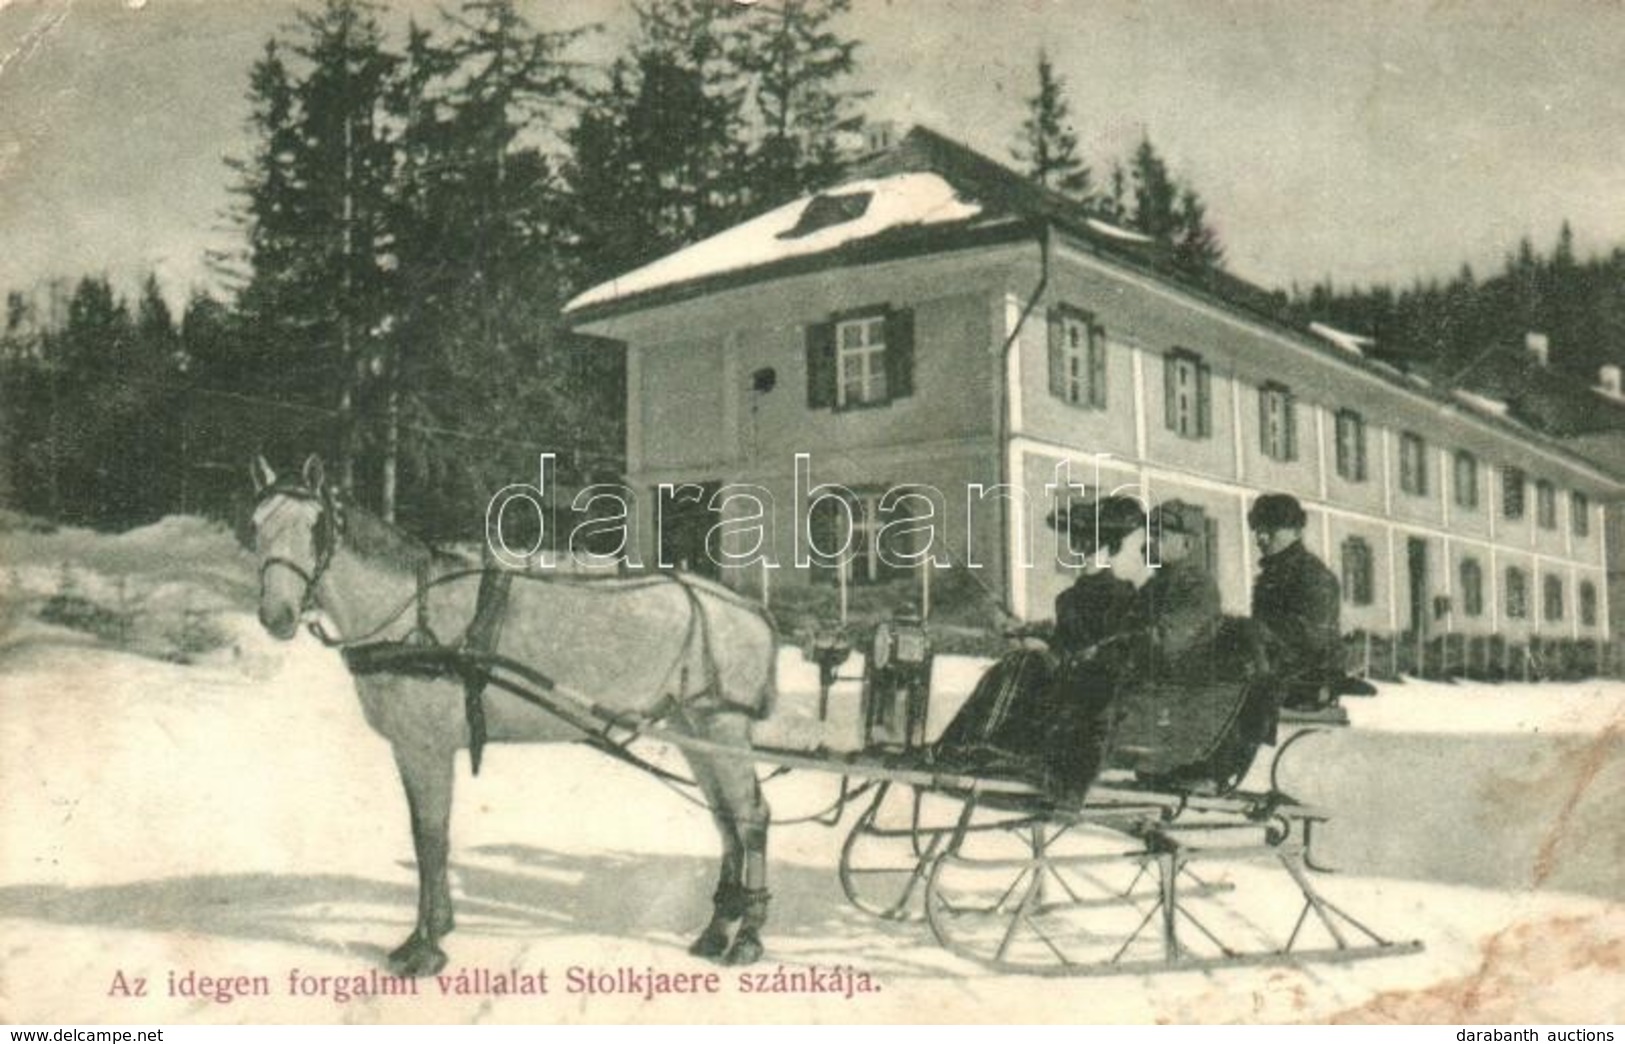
(800, 67)
(1048, 146)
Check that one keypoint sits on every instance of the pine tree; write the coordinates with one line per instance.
(1195, 245)
(477, 248)
(347, 167)
(660, 157)
(1156, 196)
(799, 66)
(1048, 145)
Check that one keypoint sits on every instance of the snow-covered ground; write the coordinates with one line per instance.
(236, 817)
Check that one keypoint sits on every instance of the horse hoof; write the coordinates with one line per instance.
(712, 943)
(417, 957)
(747, 948)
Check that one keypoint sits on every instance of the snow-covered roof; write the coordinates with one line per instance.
(1354, 344)
(892, 202)
(1482, 403)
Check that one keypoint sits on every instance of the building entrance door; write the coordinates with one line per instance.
(1416, 559)
(686, 520)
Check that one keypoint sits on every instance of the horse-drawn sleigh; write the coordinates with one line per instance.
(1004, 867)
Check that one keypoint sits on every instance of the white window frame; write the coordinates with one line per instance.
(1276, 420)
(1350, 445)
(1082, 342)
(1472, 593)
(1466, 493)
(867, 352)
(1413, 464)
(1514, 493)
(1517, 609)
(1187, 381)
(1545, 504)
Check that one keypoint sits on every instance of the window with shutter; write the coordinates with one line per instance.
(1517, 585)
(1077, 358)
(1188, 395)
(1413, 464)
(1512, 492)
(1350, 439)
(859, 520)
(861, 358)
(1466, 480)
(1546, 504)
(1472, 587)
(1277, 424)
(1552, 598)
(1358, 572)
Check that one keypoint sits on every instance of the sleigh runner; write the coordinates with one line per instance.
(1138, 871)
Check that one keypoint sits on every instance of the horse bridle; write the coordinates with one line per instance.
(324, 537)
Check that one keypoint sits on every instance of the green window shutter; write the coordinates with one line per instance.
(1057, 355)
(1170, 391)
(820, 366)
(1289, 417)
(900, 353)
(1097, 367)
(1204, 400)
(1264, 420)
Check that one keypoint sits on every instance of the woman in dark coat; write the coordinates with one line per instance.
(1041, 714)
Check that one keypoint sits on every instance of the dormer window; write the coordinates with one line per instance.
(826, 211)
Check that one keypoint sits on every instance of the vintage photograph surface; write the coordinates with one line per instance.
(811, 511)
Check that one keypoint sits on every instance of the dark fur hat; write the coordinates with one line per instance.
(1277, 511)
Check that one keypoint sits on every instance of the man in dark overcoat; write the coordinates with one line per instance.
(1176, 614)
(1296, 604)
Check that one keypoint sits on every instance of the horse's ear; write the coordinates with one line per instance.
(260, 469)
(314, 473)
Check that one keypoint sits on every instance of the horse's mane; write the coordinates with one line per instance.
(367, 534)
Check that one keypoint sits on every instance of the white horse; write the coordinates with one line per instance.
(686, 652)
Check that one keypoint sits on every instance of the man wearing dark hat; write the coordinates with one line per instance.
(1176, 615)
(1296, 602)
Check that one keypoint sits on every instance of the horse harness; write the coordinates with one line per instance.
(474, 658)
(475, 661)
(324, 537)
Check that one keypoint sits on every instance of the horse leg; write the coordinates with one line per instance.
(427, 775)
(728, 902)
(741, 801)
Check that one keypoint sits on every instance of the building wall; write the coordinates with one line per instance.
(694, 415)
(1226, 468)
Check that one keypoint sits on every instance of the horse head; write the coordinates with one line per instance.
(295, 527)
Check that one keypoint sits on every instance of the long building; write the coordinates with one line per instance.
(937, 323)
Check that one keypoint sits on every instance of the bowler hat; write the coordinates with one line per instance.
(1277, 511)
